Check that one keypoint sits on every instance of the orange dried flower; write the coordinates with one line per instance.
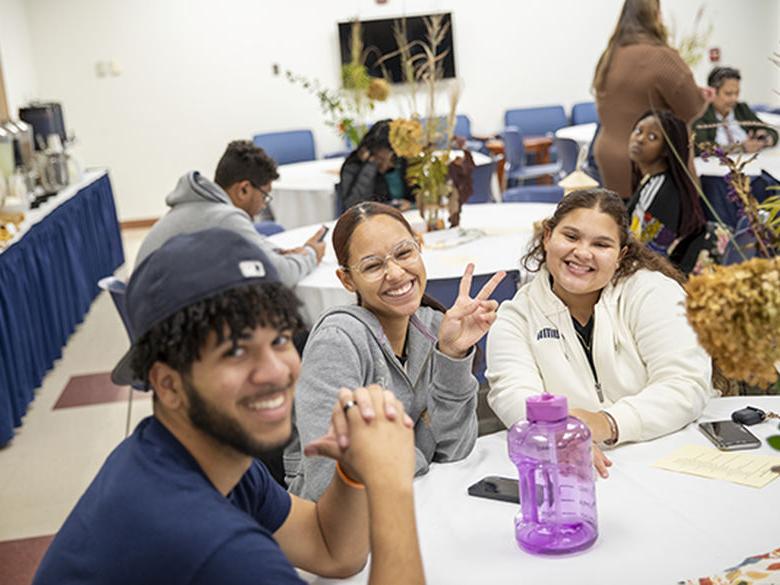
(378, 90)
(735, 311)
(406, 137)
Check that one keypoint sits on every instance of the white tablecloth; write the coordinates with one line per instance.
(305, 193)
(582, 134)
(33, 216)
(655, 526)
(507, 226)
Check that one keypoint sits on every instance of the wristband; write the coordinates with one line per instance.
(348, 480)
(613, 429)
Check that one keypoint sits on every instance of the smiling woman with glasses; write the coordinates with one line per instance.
(396, 337)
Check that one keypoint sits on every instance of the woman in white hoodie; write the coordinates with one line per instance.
(602, 323)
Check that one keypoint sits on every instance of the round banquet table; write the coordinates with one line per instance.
(305, 192)
(655, 526)
(506, 229)
(582, 134)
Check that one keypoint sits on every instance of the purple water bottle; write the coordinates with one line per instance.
(552, 452)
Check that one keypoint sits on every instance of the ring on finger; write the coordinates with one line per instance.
(347, 405)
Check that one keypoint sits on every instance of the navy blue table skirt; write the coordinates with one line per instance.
(716, 190)
(48, 281)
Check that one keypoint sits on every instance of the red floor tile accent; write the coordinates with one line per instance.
(20, 558)
(94, 389)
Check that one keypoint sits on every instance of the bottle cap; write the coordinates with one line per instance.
(546, 407)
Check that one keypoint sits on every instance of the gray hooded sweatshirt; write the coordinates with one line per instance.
(347, 347)
(198, 204)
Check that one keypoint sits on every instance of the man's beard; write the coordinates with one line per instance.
(227, 430)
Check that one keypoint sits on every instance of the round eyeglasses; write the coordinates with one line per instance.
(267, 195)
(405, 254)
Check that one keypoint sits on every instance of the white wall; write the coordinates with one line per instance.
(16, 54)
(197, 73)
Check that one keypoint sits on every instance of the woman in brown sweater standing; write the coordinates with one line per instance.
(637, 72)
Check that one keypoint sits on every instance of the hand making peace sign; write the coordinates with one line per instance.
(467, 321)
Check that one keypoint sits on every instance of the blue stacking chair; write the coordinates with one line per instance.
(515, 167)
(446, 291)
(761, 108)
(268, 228)
(584, 113)
(117, 288)
(462, 129)
(539, 121)
(482, 181)
(462, 126)
(591, 168)
(534, 194)
(440, 126)
(287, 147)
(568, 151)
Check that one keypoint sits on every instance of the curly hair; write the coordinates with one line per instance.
(243, 161)
(179, 339)
(635, 255)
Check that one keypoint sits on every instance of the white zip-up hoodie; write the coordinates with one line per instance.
(653, 376)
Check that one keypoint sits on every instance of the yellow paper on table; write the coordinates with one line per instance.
(743, 468)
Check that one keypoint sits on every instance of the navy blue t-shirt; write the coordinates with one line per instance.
(152, 516)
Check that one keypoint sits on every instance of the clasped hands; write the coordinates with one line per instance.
(370, 435)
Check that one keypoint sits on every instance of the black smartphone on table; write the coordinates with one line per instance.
(728, 435)
(494, 487)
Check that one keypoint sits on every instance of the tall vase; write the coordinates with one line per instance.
(433, 207)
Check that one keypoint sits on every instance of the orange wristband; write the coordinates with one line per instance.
(348, 480)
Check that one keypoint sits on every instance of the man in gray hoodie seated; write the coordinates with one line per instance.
(241, 189)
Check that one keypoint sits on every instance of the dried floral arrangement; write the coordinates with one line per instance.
(691, 45)
(424, 138)
(735, 309)
(347, 109)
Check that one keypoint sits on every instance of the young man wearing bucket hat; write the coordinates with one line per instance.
(183, 499)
